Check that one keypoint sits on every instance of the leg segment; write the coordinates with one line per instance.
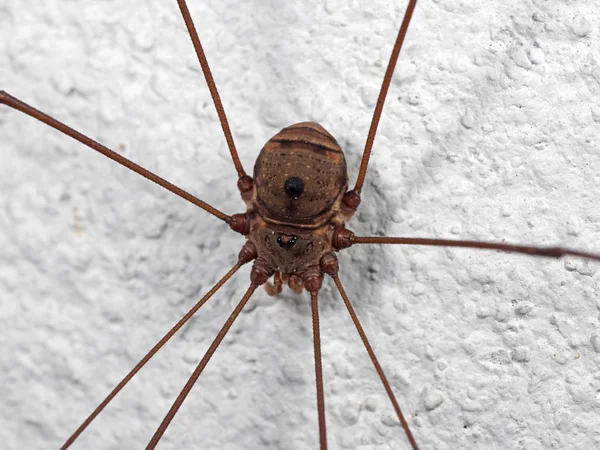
(17, 104)
(344, 238)
(329, 265)
(261, 272)
(318, 369)
(247, 254)
(245, 182)
(198, 371)
(382, 94)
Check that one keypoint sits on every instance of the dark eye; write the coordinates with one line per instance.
(293, 187)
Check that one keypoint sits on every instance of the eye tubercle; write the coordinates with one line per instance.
(286, 241)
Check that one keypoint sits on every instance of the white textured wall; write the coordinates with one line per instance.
(491, 131)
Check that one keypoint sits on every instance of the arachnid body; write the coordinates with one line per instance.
(489, 132)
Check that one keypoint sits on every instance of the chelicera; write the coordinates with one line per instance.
(298, 204)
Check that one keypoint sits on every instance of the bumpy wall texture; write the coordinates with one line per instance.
(491, 131)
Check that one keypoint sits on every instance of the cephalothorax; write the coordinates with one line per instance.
(298, 204)
(296, 201)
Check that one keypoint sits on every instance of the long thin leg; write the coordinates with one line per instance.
(198, 371)
(318, 369)
(555, 252)
(380, 372)
(189, 23)
(382, 95)
(19, 105)
(149, 355)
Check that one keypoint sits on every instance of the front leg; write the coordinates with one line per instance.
(15, 103)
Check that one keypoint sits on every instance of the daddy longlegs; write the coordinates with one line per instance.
(517, 357)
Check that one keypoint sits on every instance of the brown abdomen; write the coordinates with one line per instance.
(299, 174)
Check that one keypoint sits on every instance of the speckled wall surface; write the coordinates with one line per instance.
(491, 131)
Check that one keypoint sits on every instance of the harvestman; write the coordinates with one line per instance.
(298, 203)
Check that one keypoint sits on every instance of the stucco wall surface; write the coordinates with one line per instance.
(491, 131)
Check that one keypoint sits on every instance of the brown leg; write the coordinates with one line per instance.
(247, 254)
(245, 182)
(378, 368)
(318, 369)
(198, 371)
(149, 355)
(553, 252)
(17, 104)
(382, 94)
